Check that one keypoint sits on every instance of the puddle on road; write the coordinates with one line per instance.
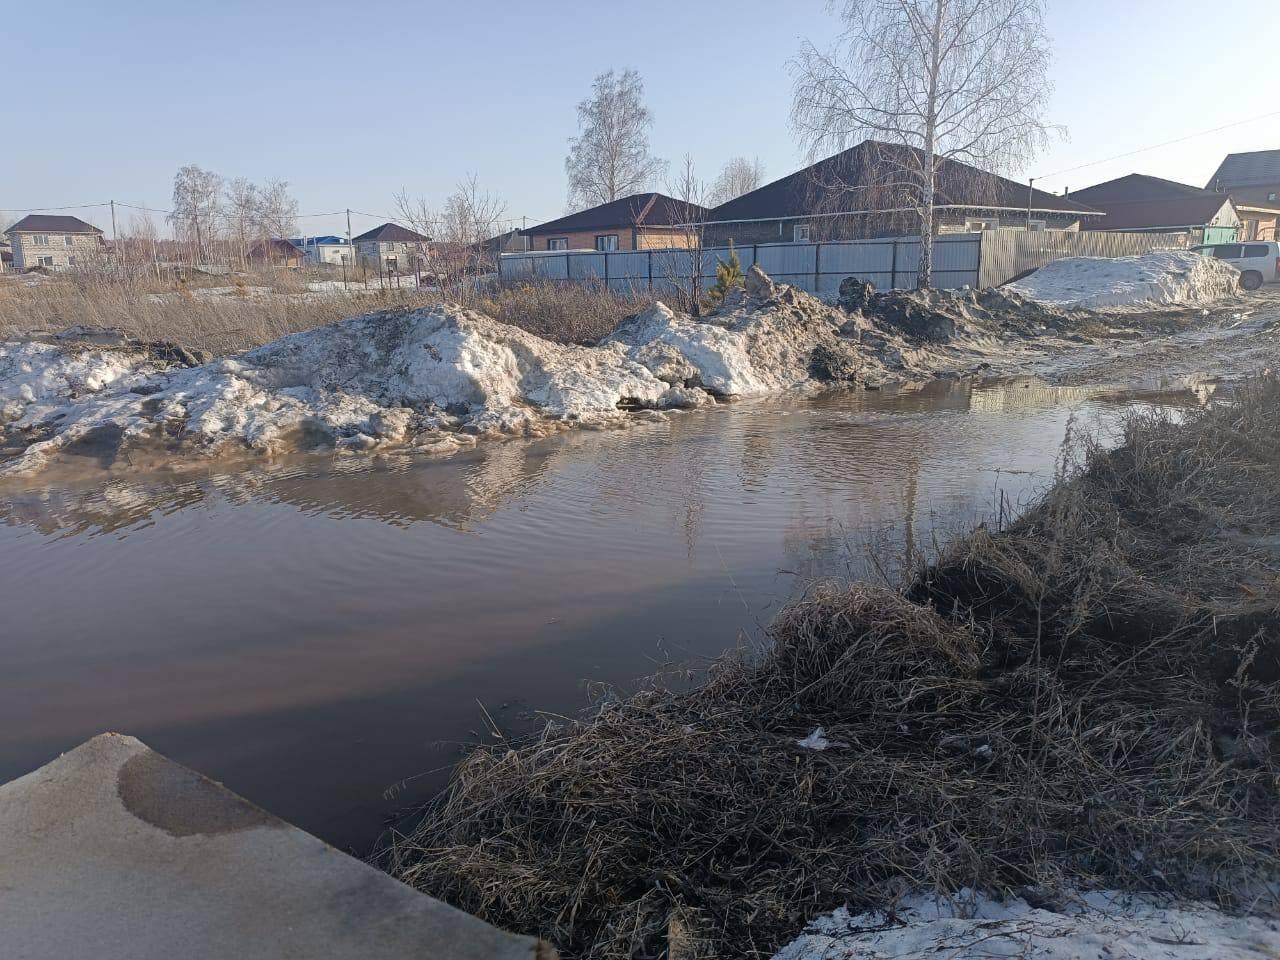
(313, 631)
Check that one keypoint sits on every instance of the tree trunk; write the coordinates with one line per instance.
(924, 274)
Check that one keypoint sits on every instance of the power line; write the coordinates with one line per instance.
(72, 206)
(1157, 146)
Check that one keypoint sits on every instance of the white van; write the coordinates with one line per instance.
(1257, 260)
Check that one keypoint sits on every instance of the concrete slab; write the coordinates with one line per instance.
(116, 852)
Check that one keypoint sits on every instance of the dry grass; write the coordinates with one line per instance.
(568, 313)
(1088, 697)
(222, 315)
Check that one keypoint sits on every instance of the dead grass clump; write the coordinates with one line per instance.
(565, 312)
(223, 315)
(1088, 697)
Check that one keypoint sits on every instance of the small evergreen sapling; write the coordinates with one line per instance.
(728, 274)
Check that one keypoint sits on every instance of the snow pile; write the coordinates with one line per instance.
(1166, 278)
(374, 380)
(1100, 926)
(762, 341)
(33, 371)
(431, 379)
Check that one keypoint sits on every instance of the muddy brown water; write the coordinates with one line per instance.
(314, 631)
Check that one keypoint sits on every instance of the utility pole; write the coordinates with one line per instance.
(1030, 186)
(115, 239)
(351, 249)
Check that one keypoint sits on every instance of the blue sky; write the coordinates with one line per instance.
(350, 103)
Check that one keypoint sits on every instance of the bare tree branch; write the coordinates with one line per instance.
(930, 80)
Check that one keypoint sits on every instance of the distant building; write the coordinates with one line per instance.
(53, 242)
(645, 221)
(1138, 203)
(1252, 180)
(393, 248)
(330, 249)
(6, 256)
(861, 192)
(276, 252)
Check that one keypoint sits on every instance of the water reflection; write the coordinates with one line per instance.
(307, 630)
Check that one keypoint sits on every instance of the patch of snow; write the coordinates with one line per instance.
(375, 380)
(1096, 926)
(815, 741)
(33, 371)
(1164, 278)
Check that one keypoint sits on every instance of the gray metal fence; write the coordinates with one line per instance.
(1009, 253)
(959, 260)
(815, 267)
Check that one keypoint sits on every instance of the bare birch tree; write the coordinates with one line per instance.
(684, 263)
(196, 196)
(277, 211)
(959, 80)
(738, 176)
(242, 215)
(610, 156)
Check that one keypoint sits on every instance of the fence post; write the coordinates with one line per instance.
(817, 265)
(650, 255)
(606, 270)
(893, 265)
(568, 264)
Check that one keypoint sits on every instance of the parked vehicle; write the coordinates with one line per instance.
(1258, 261)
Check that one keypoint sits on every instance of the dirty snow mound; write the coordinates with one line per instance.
(1100, 926)
(379, 379)
(1167, 278)
(32, 371)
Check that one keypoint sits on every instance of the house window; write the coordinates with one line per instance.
(977, 226)
(40, 239)
(44, 261)
(71, 261)
(1037, 225)
(558, 243)
(68, 240)
(1271, 196)
(800, 233)
(393, 265)
(607, 242)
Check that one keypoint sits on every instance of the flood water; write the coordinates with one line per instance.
(314, 631)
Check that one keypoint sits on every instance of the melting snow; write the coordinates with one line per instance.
(434, 379)
(1098, 926)
(1167, 278)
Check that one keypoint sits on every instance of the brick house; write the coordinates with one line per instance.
(53, 242)
(1252, 180)
(866, 191)
(393, 248)
(1141, 204)
(643, 221)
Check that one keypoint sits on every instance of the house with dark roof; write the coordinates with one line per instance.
(53, 242)
(393, 248)
(1252, 180)
(643, 221)
(275, 252)
(871, 190)
(1138, 203)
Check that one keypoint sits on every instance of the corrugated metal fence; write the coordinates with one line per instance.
(1008, 253)
(815, 267)
(959, 260)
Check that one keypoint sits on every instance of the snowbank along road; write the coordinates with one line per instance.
(435, 380)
